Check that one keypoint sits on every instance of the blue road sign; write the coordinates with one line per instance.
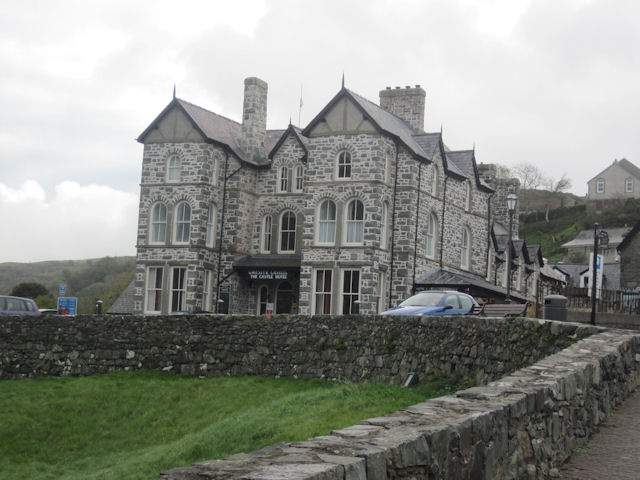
(68, 305)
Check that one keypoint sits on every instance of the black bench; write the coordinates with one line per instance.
(509, 310)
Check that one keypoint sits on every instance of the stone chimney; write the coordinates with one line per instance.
(254, 118)
(406, 103)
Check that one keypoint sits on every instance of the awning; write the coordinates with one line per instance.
(464, 282)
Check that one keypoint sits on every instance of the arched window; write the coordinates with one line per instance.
(355, 222)
(344, 165)
(327, 223)
(384, 230)
(283, 184)
(174, 168)
(465, 248)
(265, 244)
(299, 179)
(183, 223)
(211, 226)
(158, 223)
(288, 232)
(432, 235)
(435, 180)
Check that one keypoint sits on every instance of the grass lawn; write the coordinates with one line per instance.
(133, 425)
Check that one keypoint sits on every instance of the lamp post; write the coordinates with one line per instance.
(512, 200)
(599, 238)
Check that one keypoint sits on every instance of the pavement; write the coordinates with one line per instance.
(614, 451)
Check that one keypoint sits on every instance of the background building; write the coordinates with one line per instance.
(339, 217)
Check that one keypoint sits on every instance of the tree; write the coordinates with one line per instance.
(530, 176)
(29, 290)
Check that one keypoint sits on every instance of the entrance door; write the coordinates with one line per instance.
(284, 298)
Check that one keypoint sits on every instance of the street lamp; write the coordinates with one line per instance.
(599, 238)
(512, 200)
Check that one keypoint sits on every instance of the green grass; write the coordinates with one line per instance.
(128, 425)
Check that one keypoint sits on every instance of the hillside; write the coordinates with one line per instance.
(565, 223)
(89, 280)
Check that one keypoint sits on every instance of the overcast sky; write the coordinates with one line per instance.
(551, 82)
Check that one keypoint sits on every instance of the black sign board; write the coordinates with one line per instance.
(267, 274)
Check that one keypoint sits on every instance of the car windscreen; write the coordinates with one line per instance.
(426, 299)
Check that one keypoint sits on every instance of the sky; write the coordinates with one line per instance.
(555, 83)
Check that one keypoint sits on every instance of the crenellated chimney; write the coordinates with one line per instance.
(254, 118)
(407, 103)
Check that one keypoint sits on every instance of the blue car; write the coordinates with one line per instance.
(435, 302)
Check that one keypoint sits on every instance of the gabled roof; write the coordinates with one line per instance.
(625, 165)
(297, 134)
(453, 279)
(125, 302)
(380, 118)
(585, 237)
(535, 254)
(465, 162)
(628, 237)
(214, 128)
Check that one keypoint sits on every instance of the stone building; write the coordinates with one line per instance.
(339, 217)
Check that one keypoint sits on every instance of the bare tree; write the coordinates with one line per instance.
(530, 176)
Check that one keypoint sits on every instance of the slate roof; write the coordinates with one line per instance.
(429, 142)
(217, 129)
(124, 303)
(629, 236)
(585, 237)
(453, 279)
(625, 165)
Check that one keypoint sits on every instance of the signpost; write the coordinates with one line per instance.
(68, 305)
(599, 269)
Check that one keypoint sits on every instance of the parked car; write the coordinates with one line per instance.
(17, 306)
(435, 302)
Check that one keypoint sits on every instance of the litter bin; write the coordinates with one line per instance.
(555, 307)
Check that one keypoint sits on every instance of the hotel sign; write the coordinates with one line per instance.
(266, 274)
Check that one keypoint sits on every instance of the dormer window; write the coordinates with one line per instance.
(283, 183)
(344, 165)
(174, 169)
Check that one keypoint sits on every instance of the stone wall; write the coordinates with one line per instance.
(523, 424)
(353, 348)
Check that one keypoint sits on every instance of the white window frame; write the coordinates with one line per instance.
(206, 291)
(348, 296)
(153, 290)
(174, 169)
(344, 165)
(178, 291)
(158, 226)
(182, 223)
(384, 229)
(600, 185)
(262, 301)
(283, 180)
(353, 226)
(326, 225)
(321, 291)
(288, 231)
(432, 236)
(434, 182)
(467, 196)
(465, 249)
(267, 234)
(382, 291)
(629, 185)
(210, 239)
(298, 184)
